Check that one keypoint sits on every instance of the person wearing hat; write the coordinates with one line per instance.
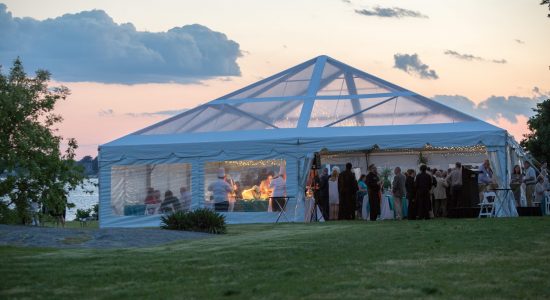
(220, 190)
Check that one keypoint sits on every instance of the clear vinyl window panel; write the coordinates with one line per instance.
(150, 189)
(380, 112)
(293, 84)
(245, 185)
(234, 117)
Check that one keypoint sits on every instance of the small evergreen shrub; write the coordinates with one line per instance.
(201, 220)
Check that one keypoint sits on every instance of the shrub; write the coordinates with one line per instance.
(95, 212)
(82, 214)
(7, 215)
(201, 220)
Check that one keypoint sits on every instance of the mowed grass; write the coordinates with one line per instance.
(469, 258)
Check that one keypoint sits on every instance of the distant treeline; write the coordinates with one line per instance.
(90, 165)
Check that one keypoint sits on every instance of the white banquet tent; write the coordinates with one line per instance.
(278, 124)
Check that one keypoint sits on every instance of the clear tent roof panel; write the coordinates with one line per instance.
(320, 92)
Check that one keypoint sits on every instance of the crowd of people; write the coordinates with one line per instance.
(430, 193)
(225, 191)
(170, 203)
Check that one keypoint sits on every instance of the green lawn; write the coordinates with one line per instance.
(74, 224)
(469, 258)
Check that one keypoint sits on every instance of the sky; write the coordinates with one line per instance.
(130, 64)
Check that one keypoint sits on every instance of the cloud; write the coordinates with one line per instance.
(106, 113)
(471, 57)
(90, 46)
(499, 61)
(519, 41)
(496, 107)
(412, 65)
(346, 1)
(393, 12)
(157, 113)
(462, 56)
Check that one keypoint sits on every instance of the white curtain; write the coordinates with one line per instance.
(304, 165)
(500, 161)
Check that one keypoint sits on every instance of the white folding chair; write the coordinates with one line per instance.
(487, 206)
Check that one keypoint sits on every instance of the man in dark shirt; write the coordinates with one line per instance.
(323, 192)
(347, 188)
(423, 184)
(373, 184)
(411, 194)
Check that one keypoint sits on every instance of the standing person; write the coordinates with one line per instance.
(485, 177)
(185, 199)
(315, 188)
(347, 187)
(151, 198)
(323, 191)
(454, 180)
(333, 195)
(530, 179)
(440, 195)
(265, 190)
(432, 172)
(544, 173)
(423, 184)
(540, 188)
(278, 192)
(170, 203)
(373, 183)
(515, 184)
(398, 191)
(411, 192)
(220, 190)
(362, 186)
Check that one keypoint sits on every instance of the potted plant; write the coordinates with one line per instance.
(386, 173)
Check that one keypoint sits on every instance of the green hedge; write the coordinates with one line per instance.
(201, 220)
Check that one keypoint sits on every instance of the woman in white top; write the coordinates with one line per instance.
(333, 196)
(278, 192)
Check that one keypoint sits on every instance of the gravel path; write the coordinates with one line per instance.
(50, 237)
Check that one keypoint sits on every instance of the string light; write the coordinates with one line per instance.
(236, 164)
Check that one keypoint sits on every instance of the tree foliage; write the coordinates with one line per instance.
(34, 167)
(546, 2)
(538, 140)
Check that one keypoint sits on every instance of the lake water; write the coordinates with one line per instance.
(82, 199)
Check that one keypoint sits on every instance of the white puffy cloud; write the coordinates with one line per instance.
(412, 65)
(90, 46)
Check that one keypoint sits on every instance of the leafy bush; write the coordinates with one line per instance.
(95, 212)
(7, 215)
(82, 213)
(201, 220)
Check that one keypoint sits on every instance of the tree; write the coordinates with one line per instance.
(546, 2)
(34, 167)
(538, 140)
